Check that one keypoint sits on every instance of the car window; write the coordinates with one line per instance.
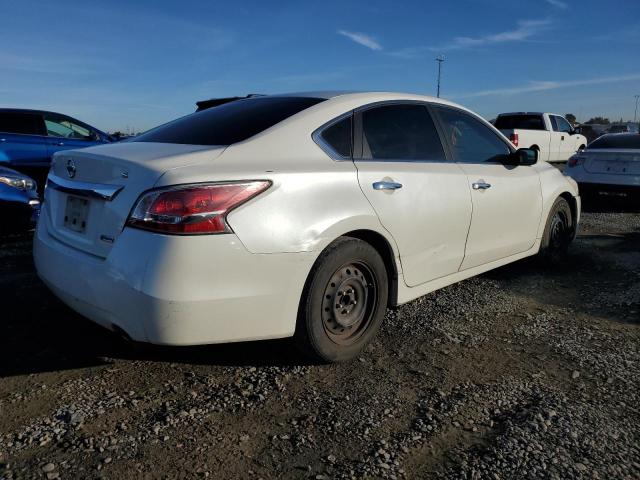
(554, 123)
(524, 122)
(563, 125)
(338, 137)
(471, 140)
(58, 126)
(621, 140)
(401, 132)
(22, 123)
(228, 123)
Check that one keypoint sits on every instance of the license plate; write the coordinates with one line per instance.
(76, 213)
(614, 166)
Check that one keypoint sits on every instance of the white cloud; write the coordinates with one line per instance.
(524, 30)
(558, 4)
(540, 86)
(362, 39)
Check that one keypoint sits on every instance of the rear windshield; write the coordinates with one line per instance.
(523, 122)
(620, 140)
(229, 123)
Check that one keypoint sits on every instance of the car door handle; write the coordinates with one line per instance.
(386, 185)
(2, 140)
(562, 137)
(60, 144)
(480, 185)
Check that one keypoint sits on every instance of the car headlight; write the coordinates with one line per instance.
(18, 182)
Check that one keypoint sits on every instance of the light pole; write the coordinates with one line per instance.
(440, 59)
(635, 114)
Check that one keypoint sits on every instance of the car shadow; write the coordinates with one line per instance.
(38, 333)
(610, 204)
(51, 337)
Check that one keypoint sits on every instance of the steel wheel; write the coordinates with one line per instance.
(349, 300)
(343, 301)
(558, 230)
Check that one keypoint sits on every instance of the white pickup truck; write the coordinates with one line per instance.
(552, 135)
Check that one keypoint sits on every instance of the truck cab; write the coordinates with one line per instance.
(549, 133)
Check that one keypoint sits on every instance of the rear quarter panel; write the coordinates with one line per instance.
(313, 199)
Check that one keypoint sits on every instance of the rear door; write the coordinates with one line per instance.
(420, 196)
(507, 200)
(22, 140)
(64, 133)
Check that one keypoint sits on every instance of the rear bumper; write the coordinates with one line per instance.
(177, 290)
(607, 189)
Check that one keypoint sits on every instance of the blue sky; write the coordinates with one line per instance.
(120, 63)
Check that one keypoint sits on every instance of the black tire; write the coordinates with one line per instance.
(558, 232)
(343, 302)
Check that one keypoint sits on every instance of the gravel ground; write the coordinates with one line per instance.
(524, 372)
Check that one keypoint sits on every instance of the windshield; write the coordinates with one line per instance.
(229, 123)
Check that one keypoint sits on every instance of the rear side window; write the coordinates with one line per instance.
(400, 132)
(338, 136)
(229, 123)
(620, 140)
(471, 141)
(523, 122)
(22, 123)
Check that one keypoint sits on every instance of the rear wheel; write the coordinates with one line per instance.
(559, 231)
(343, 302)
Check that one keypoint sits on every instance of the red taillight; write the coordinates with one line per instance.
(514, 138)
(575, 160)
(192, 209)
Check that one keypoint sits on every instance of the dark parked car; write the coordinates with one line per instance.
(28, 139)
(19, 204)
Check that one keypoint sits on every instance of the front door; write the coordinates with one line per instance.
(65, 134)
(422, 199)
(567, 141)
(507, 200)
(22, 140)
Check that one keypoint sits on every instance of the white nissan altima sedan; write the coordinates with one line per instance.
(301, 215)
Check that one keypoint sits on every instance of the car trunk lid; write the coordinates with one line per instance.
(90, 192)
(613, 161)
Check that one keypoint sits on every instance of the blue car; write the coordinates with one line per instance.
(19, 204)
(29, 138)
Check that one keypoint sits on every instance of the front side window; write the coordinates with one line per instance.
(338, 136)
(229, 123)
(563, 125)
(403, 132)
(554, 123)
(471, 141)
(63, 127)
(21, 123)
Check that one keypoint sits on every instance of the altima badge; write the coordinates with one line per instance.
(71, 168)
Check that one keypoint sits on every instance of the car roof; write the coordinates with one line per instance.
(28, 110)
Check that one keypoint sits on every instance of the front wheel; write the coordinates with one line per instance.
(343, 302)
(558, 232)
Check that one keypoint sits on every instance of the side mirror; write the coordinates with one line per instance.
(523, 156)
